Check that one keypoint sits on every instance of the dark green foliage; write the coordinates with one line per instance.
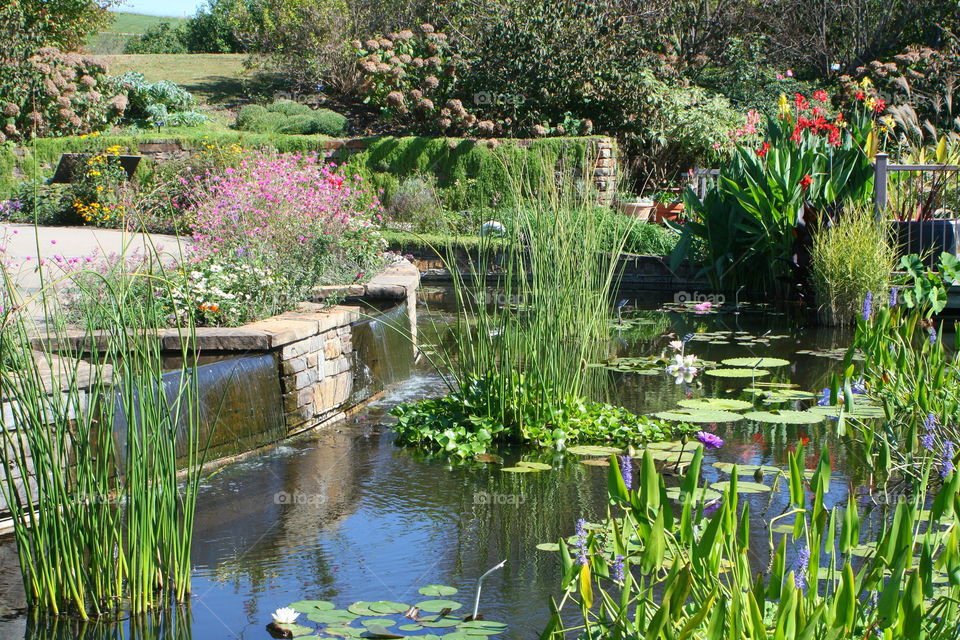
(161, 38)
(291, 118)
(43, 204)
(639, 237)
(209, 31)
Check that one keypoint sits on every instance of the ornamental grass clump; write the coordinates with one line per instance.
(851, 262)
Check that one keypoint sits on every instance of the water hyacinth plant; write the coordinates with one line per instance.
(651, 570)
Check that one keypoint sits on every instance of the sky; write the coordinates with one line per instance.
(171, 8)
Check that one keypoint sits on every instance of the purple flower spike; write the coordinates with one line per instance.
(894, 292)
(868, 306)
(626, 470)
(709, 440)
(825, 397)
(933, 336)
(947, 462)
(800, 568)
(618, 569)
(581, 542)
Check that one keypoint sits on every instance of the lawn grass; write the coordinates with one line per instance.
(124, 26)
(214, 78)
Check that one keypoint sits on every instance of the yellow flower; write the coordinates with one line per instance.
(783, 103)
(865, 83)
(889, 122)
(871, 103)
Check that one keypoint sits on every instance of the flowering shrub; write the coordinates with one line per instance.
(808, 162)
(58, 94)
(268, 231)
(99, 190)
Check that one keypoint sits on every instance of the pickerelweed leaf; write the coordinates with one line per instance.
(699, 415)
(724, 404)
(755, 362)
(737, 373)
(435, 590)
(784, 417)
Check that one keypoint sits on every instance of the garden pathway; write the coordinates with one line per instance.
(73, 247)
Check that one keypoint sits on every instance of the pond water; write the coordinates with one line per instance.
(345, 515)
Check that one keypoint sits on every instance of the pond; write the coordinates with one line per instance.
(345, 515)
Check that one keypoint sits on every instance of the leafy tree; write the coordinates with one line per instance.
(64, 24)
(160, 38)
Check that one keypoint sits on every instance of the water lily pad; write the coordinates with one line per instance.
(705, 493)
(596, 462)
(784, 416)
(332, 616)
(786, 395)
(548, 546)
(385, 606)
(436, 606)
(488, 458)
(699, 415)
(755, 362)
(485, 624)
(742, 486)
(362, 608)
(434, 622)
(593, 450)
(859, 410)
(378, 622)
(539, 466)
(724, 404)
(295, 630)
(518, 469)
(343, 631)
(745, 469)
(309, 606)
(410, 627)
(436, 590)
(672, 445)
(737, 373)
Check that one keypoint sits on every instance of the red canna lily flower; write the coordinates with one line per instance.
(820, 96)
(805, 181)
(860, 95)
(800, 102)
(762, 151)
(880, 106)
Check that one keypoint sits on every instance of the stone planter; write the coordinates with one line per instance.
(927, 238)
(639, 210)
(668, 212)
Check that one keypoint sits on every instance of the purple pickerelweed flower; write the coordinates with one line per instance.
(933, 335)
(711, 508)
(894, 292)
(581, 542)
(824, 400)
(709, 440)
(947, 462)
(626, 470)
(800, 568)
(868, 306)
(618, 569)
(859, 386)
(930, 426)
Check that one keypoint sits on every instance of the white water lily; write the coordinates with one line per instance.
(682, 368)
(676, 345)
(285, 615)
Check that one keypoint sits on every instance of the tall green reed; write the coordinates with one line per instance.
(103, 521)
(529, 339)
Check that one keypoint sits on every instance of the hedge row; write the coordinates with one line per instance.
(468, 174)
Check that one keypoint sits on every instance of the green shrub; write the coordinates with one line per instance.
(329, 123)
(641, 238)
(850, 260)
(289, 108)
(160, 38)
(268, 122)
(247, 114)
(43, 204)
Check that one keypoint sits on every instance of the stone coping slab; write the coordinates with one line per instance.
(398, 282)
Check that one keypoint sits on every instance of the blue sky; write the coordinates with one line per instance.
(173, 8)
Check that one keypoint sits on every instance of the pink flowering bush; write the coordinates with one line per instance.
(293, 219)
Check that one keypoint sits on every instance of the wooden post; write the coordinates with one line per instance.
(880, 183)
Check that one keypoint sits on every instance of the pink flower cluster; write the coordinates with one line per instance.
(270, 204)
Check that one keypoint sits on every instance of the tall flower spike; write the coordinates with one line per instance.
(868, 306)
(626, 470)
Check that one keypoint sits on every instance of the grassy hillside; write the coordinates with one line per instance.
(124, 26)
(214, 78)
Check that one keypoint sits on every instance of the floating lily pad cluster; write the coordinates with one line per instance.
(717, 410)
(744, 338)
(433, 618)
(646, 365)
(833, 354)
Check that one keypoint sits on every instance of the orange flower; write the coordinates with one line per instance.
(805, 181)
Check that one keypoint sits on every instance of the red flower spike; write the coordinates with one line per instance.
(820, 96)
(762, 151)
(805, 181)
